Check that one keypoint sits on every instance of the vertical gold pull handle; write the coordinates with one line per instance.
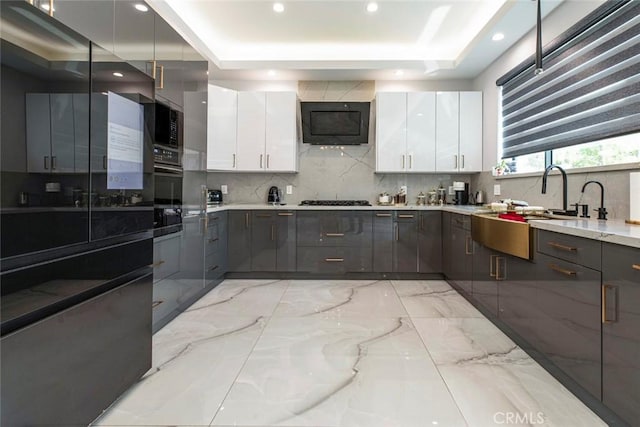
(492, 264)
(468, 250)
(635, 266)
(246, 220)
(54, 163)
(605, 318)
(397, 232)
(161, 77)
(153, 68)
(261, 161)
(234, 160)
(50, 7)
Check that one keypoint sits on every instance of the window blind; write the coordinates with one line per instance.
(590, 89)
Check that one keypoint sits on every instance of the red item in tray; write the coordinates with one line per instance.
(512, 217)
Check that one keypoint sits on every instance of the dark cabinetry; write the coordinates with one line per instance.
(395, 242)
(215, 247)
(383, 242)
(621, 330)
(567, 328)
(334, 241)
(273, 241)
(430, 242)
(239, 243)
(458, 251)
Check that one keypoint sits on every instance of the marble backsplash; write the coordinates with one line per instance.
(616, 190)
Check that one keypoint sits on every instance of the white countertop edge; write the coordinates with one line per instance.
(612, 231)
(464, 210)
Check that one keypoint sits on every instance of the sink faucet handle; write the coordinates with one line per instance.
(585, 211)
(602, 213)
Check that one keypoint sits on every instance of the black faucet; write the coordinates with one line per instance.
(564, 188)
(602, 211)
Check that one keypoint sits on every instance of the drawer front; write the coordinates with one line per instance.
(461, 221)
(339, 228)
(334, 259)
(574, 249)
(215, 265)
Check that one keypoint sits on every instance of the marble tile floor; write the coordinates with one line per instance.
(328, 353)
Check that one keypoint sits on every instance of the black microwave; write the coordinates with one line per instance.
(335, 123)
(168, 126)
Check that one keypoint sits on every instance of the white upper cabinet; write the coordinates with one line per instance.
(255, 133)
(459, 131)
(405, 132)
(222, 118)
(281, 140)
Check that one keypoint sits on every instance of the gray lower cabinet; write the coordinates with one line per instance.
(383, 240)
(458, 251)
(273, 241)
(67, 368)
(430, 242)
(215, 248)
(621, 330)
(239, 243)
(334, 242)
(166, 256)
(568, 328)
(484, 284)
(395, 242)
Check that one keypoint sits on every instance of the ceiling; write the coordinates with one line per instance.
(342, 40)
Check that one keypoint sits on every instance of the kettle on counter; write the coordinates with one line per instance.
(479, 197)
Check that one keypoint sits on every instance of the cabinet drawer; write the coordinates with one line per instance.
(213, 241)
(339, 228)
(215, 264)
(461, 221)
(579, 250)
(334, 259)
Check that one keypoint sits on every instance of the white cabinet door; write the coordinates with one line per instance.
(222, 123)
(391, 132)
(421, 132)
(251, 131)
(470, 131)
(38, 132)
(62, 132)
(447, 131)
(281, 144)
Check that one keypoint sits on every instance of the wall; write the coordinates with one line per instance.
(331, 172)
(616, 183)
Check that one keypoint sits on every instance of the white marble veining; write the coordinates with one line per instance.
(612, 231)
(318, 353)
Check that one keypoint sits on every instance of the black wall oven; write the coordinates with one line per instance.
(167, 198)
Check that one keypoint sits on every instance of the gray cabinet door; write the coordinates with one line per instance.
(430, 242)
(405, 253)
(263, 241)
(335, 228)
(621, 330)
(285, 241)
(461, 258)
(516, 292)
(569, 328)
(485, 270)
(383, 242)
(239, 241)
(447, 245)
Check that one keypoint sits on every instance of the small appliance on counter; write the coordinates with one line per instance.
(384, 199)
(479, 197)
(274, 196)
(461, 190)
(214, 197)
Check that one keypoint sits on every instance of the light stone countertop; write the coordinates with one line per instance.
(611, 231)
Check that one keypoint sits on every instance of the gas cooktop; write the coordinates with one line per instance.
(335, 203)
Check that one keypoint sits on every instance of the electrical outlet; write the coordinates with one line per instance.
(289, 189)
(496, 190)
(224, 189)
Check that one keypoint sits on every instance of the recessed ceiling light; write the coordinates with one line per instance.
(372, 6)
(117, 74)
(399, 73)
(271, 73)
(141, 7)
(278, 7)
(497, 37)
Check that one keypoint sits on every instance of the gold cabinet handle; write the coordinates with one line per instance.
(385, 215)
(397, 232)
(161, 86)
(157, 264)
(562, 247)
(605, 319)
(468, 243)
(564, 271)
(334, 234)
(635, 266)
(54, 163)
(50, 7)
(154, 73)
(492, 264)
(285, 213)
(263, 215)
(405, 216)
(246, 220)
(334, 259)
